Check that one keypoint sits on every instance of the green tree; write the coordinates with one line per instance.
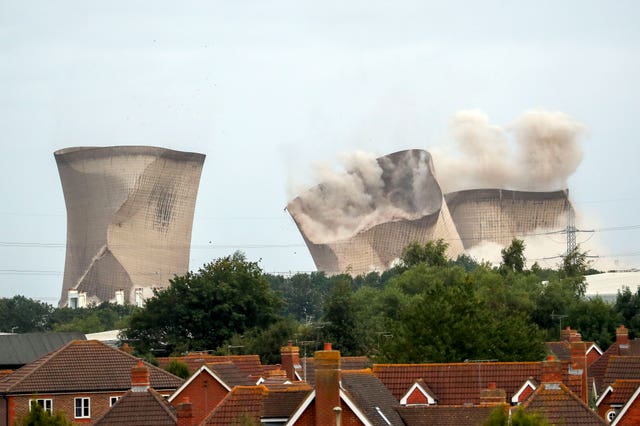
(628, 306)
(575, 263)
(199, 311)
(38, 416)
(341, 318)
(596, 320)
(178, 368)
(22, 315)
(513, 257)
(434, 253)
(519, 417)
(267, 342)
(447, 319)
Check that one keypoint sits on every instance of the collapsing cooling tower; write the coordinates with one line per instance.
(361, 222)
(498, 215)
(129, 218)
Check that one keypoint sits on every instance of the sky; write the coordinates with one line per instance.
(270, 90)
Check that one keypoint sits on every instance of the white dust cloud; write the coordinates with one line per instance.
(539, 151)
(368, 191)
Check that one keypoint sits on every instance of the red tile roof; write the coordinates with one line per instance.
(346, 363)
(230, 374)
(450, 415)
(598, 369)
(621, 392)
(461, 383)
(242, 403)
(249, 364)
(283, 402)
(561, 406)
(621, 368)
(79, 366)
(139, 409)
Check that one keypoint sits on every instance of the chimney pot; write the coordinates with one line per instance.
(327, 346)
(492, 385)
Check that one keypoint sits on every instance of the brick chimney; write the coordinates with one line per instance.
(551, 370)
(565, 335)
(492, 396)
(579, 366)
(184, 412)
(140, 377)
(290, 358)
(327, 374)
(126, 348)
(575, 337)
(622, 340)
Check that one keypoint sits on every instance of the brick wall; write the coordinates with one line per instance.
(632, 416)
(417, 397)
(99, 404)
(205, 393)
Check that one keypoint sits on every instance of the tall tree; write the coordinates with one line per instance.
(22, 315)
(447, 319)
(340, 315)
(200, 310)
(434, 253)
(513, 257)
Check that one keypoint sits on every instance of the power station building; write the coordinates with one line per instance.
(413, 208)
(129, 219)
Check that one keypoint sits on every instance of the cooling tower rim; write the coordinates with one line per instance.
(391, 155)
(493, 193)
(96, 152)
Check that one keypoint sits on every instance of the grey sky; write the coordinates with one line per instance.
(266, 88)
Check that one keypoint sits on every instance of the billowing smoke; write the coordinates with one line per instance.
(367, 192)
(539, 151)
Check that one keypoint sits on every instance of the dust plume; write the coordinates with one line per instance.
(368, 191)
(539, 151)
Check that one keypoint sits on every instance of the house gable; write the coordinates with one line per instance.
(524, 392)
(205, 389)
(630, 413)
(418, 395)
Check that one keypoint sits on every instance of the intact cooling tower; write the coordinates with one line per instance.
(362, 221)
(129, 218)
(498, 215)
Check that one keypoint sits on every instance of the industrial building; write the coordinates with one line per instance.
(129, 219)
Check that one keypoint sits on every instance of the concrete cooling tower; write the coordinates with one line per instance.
(499, 216)
(129, 218)
(362, 221)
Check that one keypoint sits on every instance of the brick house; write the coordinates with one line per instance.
(82, 379)
(142, 405)
(208, 386)
(614, 397)
(600, 373)
(356, 396)
(258, 404)
(562, 349)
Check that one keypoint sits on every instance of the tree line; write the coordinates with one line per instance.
(428, 308)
